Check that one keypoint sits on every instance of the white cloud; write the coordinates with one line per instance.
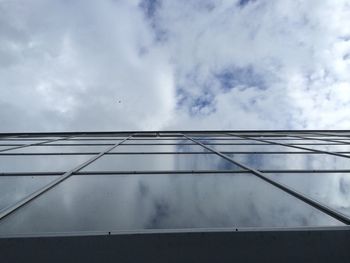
(81, 65)
(117, 65)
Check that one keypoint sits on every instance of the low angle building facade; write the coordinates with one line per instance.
(175, 196)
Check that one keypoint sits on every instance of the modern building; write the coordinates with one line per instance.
(175, 196)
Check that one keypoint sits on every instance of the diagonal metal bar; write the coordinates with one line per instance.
(5, 212)
(292, 146)
(329, 211)
(36, 143)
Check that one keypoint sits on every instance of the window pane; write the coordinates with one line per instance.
(159, 148)
(5, 147)
(238, 142)
(157, 141)
(20, 142)
(40, 163)
(15, 188)
(112, 203)
(255, 148)
(99, 138)
(302, 142)
(86, 142)
(332, 189)
(166, 162)
(59, 149)
(292, 161)
(330, 148)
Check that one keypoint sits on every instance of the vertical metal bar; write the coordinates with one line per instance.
(329, 211)
(291, 146)
(5, 212)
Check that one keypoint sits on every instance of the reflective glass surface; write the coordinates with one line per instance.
(238, 142)
(4, 147)
(99, 138)
(59, 149)
(302, 142)
(86, 142)
(332, 189)
(292, 161)
(255, 148)
(159, 148)
(157, 141)
(330, 148)
(131, 202)
(22, 142)
(40, 163)
(144, 162)
(15, 188)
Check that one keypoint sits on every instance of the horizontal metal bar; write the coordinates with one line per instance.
(327, 210)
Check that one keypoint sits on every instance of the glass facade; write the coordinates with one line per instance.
(135, 181)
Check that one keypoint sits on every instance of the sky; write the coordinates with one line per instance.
(88, 65)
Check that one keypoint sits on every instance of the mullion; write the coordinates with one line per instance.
(328, 210)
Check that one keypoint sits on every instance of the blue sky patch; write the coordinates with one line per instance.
(150, 7)
(233, 77)
(243, 3)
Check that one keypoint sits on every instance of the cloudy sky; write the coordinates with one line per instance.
(164, 64)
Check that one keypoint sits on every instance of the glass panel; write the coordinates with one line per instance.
(15, 188)
(99, 138)
(166, 162)
(157, 141)
(5, 147)
(255, 148)
(40, 163)
(331, 138)
(159, 148)
(292, 161)
(330, 148)
(33, 139)
(342, 141)
(302, 142)
(131, 202)
(20, 142)
(216, 138)
(238, 142)
(23, 140)
(332, 189)
(86, 142)
(59, 149)
(170, 134)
